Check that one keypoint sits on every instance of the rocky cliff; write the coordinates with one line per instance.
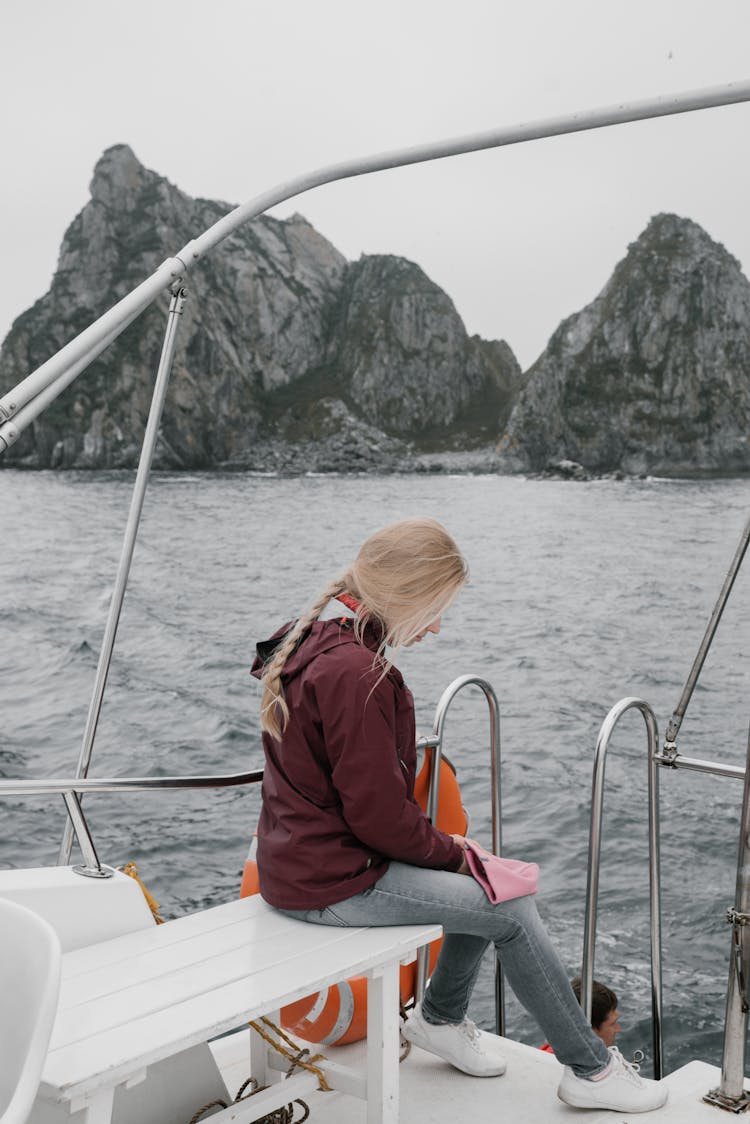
(288, 356)
(654, 375)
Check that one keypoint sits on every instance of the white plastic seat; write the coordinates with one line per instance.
(30, 960)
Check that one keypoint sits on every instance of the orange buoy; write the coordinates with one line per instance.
(338, 1014)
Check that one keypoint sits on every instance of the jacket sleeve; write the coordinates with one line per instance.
(358, 715)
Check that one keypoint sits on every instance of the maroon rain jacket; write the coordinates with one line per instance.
(338, 789)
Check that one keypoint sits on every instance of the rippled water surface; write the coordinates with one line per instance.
(580, 594)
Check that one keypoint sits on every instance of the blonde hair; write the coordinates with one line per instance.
(404, 577)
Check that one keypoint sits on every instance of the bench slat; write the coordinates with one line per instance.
(106, 1038)
(162, 990)
(159, 962)
(83, 960)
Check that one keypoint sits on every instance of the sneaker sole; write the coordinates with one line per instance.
(582, 1102)
(497, 1071)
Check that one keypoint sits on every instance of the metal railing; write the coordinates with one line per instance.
(730, 1094)
(72, 789)
(592, 888)
(435, 743)
(176, 306)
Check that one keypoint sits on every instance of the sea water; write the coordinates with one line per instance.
(581, 593)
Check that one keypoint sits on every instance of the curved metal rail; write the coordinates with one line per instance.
(592, 888)
(730, 1094)
(436, 744)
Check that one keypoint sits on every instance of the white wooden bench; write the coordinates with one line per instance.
(129, 1004)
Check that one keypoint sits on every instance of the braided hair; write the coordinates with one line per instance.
(403, 577)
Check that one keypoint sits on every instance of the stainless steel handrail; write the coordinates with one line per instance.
(679, 713)
(436, 743)
(592, 888)
(70, 789)
(697, 765)
(91, 867)
(150, 436)
(56, 785)
(731, 1093)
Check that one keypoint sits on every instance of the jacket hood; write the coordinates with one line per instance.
(322, 636)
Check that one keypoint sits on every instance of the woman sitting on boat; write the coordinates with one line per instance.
(342, 841)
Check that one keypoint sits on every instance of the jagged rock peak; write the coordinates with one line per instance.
(399, 345)
(676, 241)
(654, 374)
(282, 342)
(119, 179)
(119, 163)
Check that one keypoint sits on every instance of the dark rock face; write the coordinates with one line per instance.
(653, 376)
(287, 356)
(398, 344)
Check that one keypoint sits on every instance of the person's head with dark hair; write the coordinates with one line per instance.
(604, 1013)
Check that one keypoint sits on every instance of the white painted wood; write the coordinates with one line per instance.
(114, 951)
(340, 1077)
(261, 1055)
(260, 1103)
(96, 1109)
(156, 981)
(133, 1001)
(383, 1044)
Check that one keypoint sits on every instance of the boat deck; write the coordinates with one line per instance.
(434, 1093)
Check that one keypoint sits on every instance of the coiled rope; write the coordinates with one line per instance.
(298, 1059)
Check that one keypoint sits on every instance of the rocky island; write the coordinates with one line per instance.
(291, 358)
(288, 358)
(653, 376)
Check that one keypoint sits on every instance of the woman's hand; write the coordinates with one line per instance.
(464, 867)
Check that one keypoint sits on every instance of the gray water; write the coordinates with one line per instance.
(580, 594)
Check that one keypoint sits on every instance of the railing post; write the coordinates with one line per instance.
(675, 721)
(91, 867)
(592, 888)
(126, 555)
(731, 1093)
(436, 743)
(654, 881)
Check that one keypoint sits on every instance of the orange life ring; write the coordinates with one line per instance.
(339, 1014)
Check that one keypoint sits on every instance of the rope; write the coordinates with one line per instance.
(132, 871)
(283, 1115)
(204, 1108)
(297, 1058)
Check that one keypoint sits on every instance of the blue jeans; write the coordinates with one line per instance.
(407, 895)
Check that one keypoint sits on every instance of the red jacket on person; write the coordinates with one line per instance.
(338, 788)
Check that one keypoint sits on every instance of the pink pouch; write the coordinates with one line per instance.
(501, 879)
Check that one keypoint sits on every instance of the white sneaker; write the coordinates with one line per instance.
(623, 1089)
(464, 1045)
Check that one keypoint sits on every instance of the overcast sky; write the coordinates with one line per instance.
(229, 97)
